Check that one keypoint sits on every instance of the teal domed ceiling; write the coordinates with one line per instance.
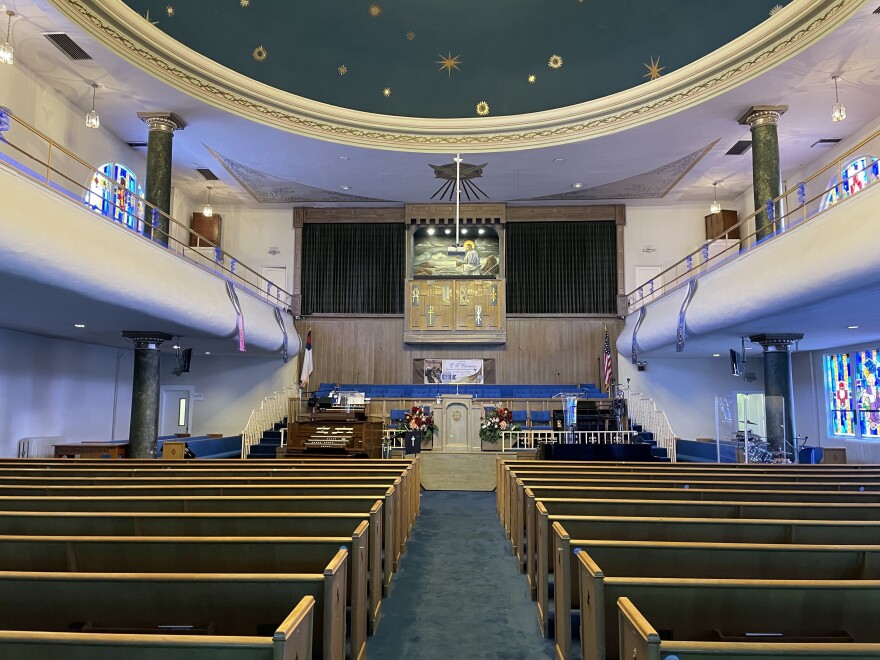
(454, 58)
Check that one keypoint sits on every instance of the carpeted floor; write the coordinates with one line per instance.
(458, 594)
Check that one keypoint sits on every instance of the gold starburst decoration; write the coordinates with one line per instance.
(654, 69)
(260, 53)
(410, 35)
(342, 70)
(386, 92)
(482, 108)
(169, 10)
(375, 10)
(244, 3)
(775, 10)
(449, 63)
(555, 62)
(147, 18)
(532, 78)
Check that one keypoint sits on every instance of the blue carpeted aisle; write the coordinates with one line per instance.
(458, 593)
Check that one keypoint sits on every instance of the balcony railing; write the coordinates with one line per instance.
(798, 204)
(35, 155)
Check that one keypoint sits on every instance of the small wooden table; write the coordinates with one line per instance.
(91, 450)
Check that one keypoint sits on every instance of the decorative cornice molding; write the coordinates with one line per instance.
(164, 122)
(799, 25)
(337, 214)
(762, 115)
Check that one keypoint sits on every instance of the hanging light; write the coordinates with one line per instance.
(838, 112)
(208, 211)
(92, 118)
(7, 52)
(715, 207)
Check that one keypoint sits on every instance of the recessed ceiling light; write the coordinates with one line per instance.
(577, 185)
(79, 325)
(447, 231)
(716, 354)
(431, 231)
(464, 231)
(852, 327)
(343, 158)
(345, 187)
(175, 347)
(559, 160)
(481, 232)
(207, 352)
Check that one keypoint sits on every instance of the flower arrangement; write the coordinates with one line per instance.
(496, 420)
(418, 419)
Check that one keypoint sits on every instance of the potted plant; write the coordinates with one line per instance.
(419, 419)
(494, 422)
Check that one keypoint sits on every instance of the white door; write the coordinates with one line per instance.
(277, 275)
(175, 410)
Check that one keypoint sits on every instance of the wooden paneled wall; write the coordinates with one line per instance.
(538, 350)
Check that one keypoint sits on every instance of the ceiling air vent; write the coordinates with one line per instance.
(137, 145)
(67, 46)
(825, 142)
(208, 174)
(740, 148)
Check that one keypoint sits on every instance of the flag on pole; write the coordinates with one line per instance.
(606, 361)
(308, 363)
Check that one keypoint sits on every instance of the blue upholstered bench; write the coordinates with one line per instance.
(204, 447)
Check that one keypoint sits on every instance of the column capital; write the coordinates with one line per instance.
(167, 122)
(147, 340)
(761, 115)
(781, 341)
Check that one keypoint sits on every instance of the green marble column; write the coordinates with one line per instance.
(778, 391)
(144, 428)
(158, 188)
(766, 177)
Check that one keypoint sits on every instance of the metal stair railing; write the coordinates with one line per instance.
(644, 412)
(273, 409)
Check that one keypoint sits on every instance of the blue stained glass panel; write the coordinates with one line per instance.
(838, 391)
(867, 396)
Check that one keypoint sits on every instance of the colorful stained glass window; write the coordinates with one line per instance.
(838, 392)
(114, 192)
(867, 397)
(856, 176)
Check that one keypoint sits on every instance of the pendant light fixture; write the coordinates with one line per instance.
(715, 207)
(838, 112)
(92, 118)
(7, 52)
(208, 211)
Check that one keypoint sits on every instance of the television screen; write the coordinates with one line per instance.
(735, 363)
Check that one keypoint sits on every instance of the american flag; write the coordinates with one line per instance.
(606, 360)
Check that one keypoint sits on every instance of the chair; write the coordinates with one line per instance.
(541, 420)
(398, 415)
(519, 417)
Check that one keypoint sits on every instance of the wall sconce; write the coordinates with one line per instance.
(92, 118)
(7, 52)
(208, 211)
(838, 112)
(715, 207)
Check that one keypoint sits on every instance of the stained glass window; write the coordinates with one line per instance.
(114, 192)
(856, 176)
(867, 398)
(838, 391)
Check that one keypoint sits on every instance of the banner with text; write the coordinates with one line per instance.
(454, 372)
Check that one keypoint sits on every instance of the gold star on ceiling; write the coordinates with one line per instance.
(374, 10)
(260, 53)
(482, 108)
(342, 70)
(244, 3)
(775, 10)
(147, 18)
(654, 69)
(410, 35)
(555, 62)
(169, 10)
(386, 92)
(449, 63)
(532, 78)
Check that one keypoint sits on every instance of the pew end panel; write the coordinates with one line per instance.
(375, 567)
(542, 574)
(592, 593)
(293, 639)
(334, 608)
(562, 590)
(359, 607)
(637, 638)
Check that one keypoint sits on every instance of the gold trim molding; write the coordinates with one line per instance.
(796, 27)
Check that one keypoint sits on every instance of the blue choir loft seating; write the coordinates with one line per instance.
(490, 392)
(206, 447)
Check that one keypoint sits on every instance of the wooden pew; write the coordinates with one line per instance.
(702, 608)
(225, 605)
(292, 639)
(639, 639)
(542, 510)
(699, 560)
(115, 524)
(225, 505)
(189, 555)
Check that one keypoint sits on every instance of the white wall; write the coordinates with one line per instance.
(685, 389)
(57, 387)
(231, 388)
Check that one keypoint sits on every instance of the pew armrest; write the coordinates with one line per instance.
(293, 639)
